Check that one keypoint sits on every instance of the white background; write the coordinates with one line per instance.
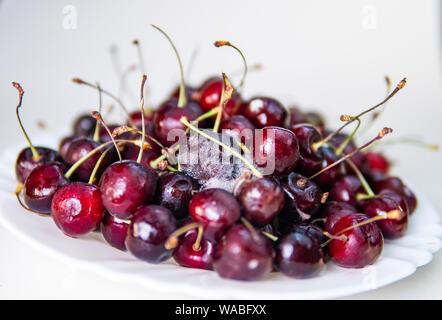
(330, 56)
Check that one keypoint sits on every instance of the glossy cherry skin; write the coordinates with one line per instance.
(299, 255)
(79, 148)
(377, 162)
(77, 208)
(345, 190)
(396, 184)
(210, 95)
(334, 211)
(363, 244)
(114, 231)
(261, 199)
(168, 116)
(391, 228)
(84, 125)
(64, 145)
(264, 112)
(309, 160)
(276, 145)
(175, 189)
(186, 255)
(125, 186)
(328, 178)
(148, 231)
(25, 163)
(241, 256)
(41, 185)
(216, 210)
(301, 203)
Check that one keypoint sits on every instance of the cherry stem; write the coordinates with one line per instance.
(100, 120)
(172, 240)
(327, 234)
(226, 95)
(341, 148)
(97, 166)
(381, 134)
(227, 43)
(270, 236)
(399, 86)
(142, 67)
(182, 99)
(143, 125)
(184, 121)
(251, 229)
(416, 142)
(123, 107)
(35, 155)
(361, 178)
(154, 163)
(96, 137)
(197, 245)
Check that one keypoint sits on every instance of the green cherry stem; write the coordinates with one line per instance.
(100, 104)
(143, 126)
(341, 148)
(399, 86)
(258, 174)
(182, 99)
(100, 120)
(227, 43)
(35, 155)
(97, 166)
(226, 95)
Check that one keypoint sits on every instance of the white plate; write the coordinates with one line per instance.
(400, 258)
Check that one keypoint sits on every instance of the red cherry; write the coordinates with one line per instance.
(114, 231)
(362, 245)
(377, 162)
(264, 112)
(77, 208)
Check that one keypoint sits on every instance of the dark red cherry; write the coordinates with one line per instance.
(310, 161)
(187, 256)
(84, 125)
(136, 119)
(64, 145)
(261, 199)
(216, 210)
(345, 190)
(210, 95)
(396, 184)
(276, 148)
(362, 245)
(296, 116)
(175, 189)
(41, 184)
(125, 186)
(168, 116)
(299, 255)
(114, 231)
(77, 208)
(301, 203)
(25, 161)
(334, 211)
(389, 201)
(377, 162)
(264, 112)
(79, 148)
(241, 255)
(328, 178)
(148, 231)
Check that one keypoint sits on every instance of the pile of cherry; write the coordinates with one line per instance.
(326, 199)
